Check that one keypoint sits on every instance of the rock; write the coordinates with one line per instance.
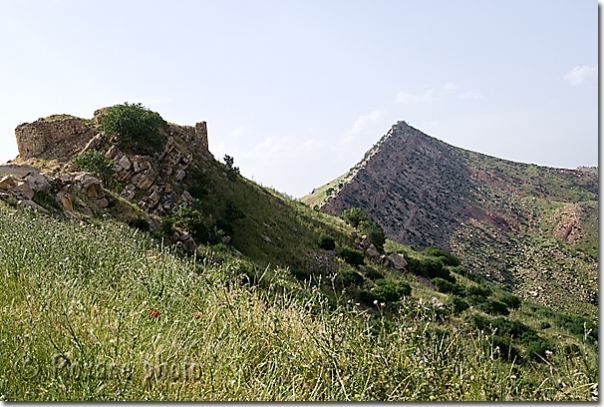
(186, 197)
(21, 170)
(154, 197)
(266, 238)
(425, 282)
(124, 163)
(397, 261)
(128, 192)
(354, 233)
(332, 252)
(218, 260)
(38, 182)
(89, 184)
(112, 152)
(24, 203)
(103, 202)
(7, 183)
(141, 163)
(24, 190)
(362, 268)
(65, 201)
(436, 302)
(269, 227)
(373, 252)
(226, 239)
(364, 243)
(71, 215)
(180, 175)
(93, 143)
(143, 180)
(236, 252)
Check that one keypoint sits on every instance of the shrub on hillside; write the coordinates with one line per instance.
(326, 242)
(373, 275)
(352, 256)
(456, 304)
(447, 258)
(511, 301)
(480, 290)
(354, 216)
(96, 162)
(346, 278)
(493, 307)
(140, 223)
(300, 274)
(386, 292)
(136, 127)
(445, 286)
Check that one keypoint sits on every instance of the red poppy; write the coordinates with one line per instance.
(154, 313)
(197, 315)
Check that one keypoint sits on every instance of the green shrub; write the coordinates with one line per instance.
(140, 223)
(347, 278)
(225, 226)
(300, 274)
(352, 256)
(474, 299)
(46, 200)
(327, 242)
(442, 285)
(354, 216)
(375, 234)
(477, 278)
(511, 301)
(493, 307)
(386, 292)
(456, 304)
(96, 162)
(447, 258)
(577, 325)
(545, 325)
(506, 351)
(192, 220)
(138, 128)
(480, 290)
(373, 275)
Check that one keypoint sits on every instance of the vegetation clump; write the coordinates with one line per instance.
(352, 256)
(136, 127)
(96, 162)
(326, 242)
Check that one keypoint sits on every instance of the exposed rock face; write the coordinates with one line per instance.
(34, 138)
(494, 214)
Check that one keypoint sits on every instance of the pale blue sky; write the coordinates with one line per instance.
(297, 91)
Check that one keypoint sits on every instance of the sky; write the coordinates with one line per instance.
(297, 91)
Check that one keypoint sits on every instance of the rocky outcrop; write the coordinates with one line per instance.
(34, 138)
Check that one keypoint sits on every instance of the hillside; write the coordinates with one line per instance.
(151, 271)
(533, 229)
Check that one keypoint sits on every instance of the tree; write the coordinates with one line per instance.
(136, 127)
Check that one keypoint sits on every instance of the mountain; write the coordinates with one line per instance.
(136, 266)
(532, 228)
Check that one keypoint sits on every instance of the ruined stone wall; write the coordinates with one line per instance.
(34, 138)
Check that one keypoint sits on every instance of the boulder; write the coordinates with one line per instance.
(124, 163)
(397, 261)
(373, 252)
(226, 239)
(23, 190)
(90, 185)
(7, 183)
(436, 302)
(38, 182)
(143, 180)
(128, 192)
(425, 282)
(65, 201)
(93, 143)
(21, 170)
(180, 175)
(24, 203)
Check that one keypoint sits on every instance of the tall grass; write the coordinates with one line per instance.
(105, 313)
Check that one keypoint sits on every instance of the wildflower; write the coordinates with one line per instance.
(382, 304)
(548, 353)
(513, 377)
(197, 315)
(154, 313)
(375, 302)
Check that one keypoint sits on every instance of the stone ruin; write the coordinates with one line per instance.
(34, 138)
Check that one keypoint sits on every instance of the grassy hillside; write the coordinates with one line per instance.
(106, 313)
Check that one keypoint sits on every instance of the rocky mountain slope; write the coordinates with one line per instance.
(532, 228)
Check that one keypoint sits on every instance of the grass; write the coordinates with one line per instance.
(79, 322)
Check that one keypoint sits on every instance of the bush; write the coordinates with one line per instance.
(348, 277)
(354, 216)
(225, 226)
(352, 256)
(480, 290)
(140, 223)
(477, 278)
(302, 275)
(375, 234)
(385, 292)
(457, 305)
(373, 275)
(136, 127)
(577, 325)
(493, 307)
(445, 286)
(545, 325)
(327, 242)
(447, 258)
(96, 162)
(511, 301)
